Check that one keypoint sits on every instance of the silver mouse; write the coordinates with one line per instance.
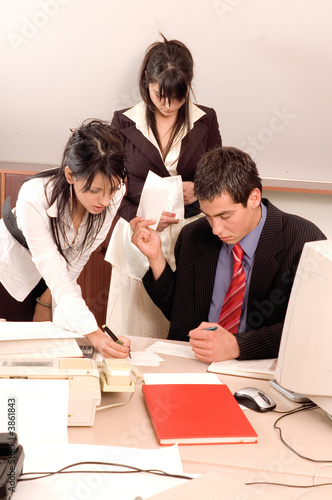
(255, 399)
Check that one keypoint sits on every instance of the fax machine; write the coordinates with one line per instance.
(82, 374)
(85, 381)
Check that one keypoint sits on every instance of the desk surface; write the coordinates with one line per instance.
(308, 432)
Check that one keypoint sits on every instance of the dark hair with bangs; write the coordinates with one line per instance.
(93, 148)
(226, 169)
(170, 64)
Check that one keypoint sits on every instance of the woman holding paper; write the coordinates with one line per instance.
(165, 134)
(62, 215)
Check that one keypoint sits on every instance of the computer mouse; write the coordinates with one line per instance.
(255, 399)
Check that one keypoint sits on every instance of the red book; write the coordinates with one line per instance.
(196, 414)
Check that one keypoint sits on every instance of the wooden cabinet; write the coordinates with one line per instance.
(95, 277)
(10, 183)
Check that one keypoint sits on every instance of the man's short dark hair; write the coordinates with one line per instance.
(226, 169)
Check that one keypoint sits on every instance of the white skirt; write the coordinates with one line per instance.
(130, 311)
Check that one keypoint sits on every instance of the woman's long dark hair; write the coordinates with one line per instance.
(170, 64)
(93, 148)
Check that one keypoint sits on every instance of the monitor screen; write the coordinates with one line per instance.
(305, 354)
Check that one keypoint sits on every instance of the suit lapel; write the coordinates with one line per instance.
(205, 270)
(266, 262)
(190, 144)
(146, 148)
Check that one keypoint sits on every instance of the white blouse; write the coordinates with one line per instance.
(21, 270)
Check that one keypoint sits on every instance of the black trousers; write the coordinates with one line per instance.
(12, 310)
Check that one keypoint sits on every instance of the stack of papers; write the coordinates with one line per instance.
(35, 340)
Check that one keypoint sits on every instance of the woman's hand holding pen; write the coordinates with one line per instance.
(107, 346)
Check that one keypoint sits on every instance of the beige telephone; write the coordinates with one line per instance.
(116, 375)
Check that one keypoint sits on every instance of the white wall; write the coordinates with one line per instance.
(264, 65)
(314, 207)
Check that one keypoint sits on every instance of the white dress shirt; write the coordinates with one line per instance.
(21, 270)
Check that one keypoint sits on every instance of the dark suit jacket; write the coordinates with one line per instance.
(185, 296)
(143, 156)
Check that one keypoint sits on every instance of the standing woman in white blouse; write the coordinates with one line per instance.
(166, 133)
(62, 215)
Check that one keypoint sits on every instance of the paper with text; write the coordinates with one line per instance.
(255, 368)
(40, 348)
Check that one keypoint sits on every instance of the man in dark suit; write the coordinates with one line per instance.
(228, 187)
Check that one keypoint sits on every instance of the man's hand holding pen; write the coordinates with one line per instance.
(211, 342)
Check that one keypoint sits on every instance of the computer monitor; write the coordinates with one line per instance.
(305, 355)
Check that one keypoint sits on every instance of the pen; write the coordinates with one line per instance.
(211, 328)
(113, 336)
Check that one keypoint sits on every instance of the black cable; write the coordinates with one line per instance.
(305, 407)
(302, 406)
(296, 410)
(131, 471)
(179, 476)
(290, 485)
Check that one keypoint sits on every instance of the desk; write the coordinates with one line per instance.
(269, 460)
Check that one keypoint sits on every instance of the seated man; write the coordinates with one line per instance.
(243, 299)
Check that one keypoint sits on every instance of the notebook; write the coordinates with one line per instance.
(255, 368)
(196, 414)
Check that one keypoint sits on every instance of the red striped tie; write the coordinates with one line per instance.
(231, 310)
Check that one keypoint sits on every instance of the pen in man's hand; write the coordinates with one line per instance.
(113, 336)
(211, 328)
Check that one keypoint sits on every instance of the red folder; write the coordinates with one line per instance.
(196, 414)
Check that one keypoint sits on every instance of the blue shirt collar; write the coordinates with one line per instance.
(250, 241)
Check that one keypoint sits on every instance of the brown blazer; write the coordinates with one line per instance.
(143, 156)
(185, 296)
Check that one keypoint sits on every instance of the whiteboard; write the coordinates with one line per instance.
(264, 65)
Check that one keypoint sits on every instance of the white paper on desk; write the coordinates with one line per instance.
(94, 485)
(161, 194)
(23, 330)
(40, 348)
(145, 358)
(181, 378)
(41, 409)
(184, 351)
(215, 486)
